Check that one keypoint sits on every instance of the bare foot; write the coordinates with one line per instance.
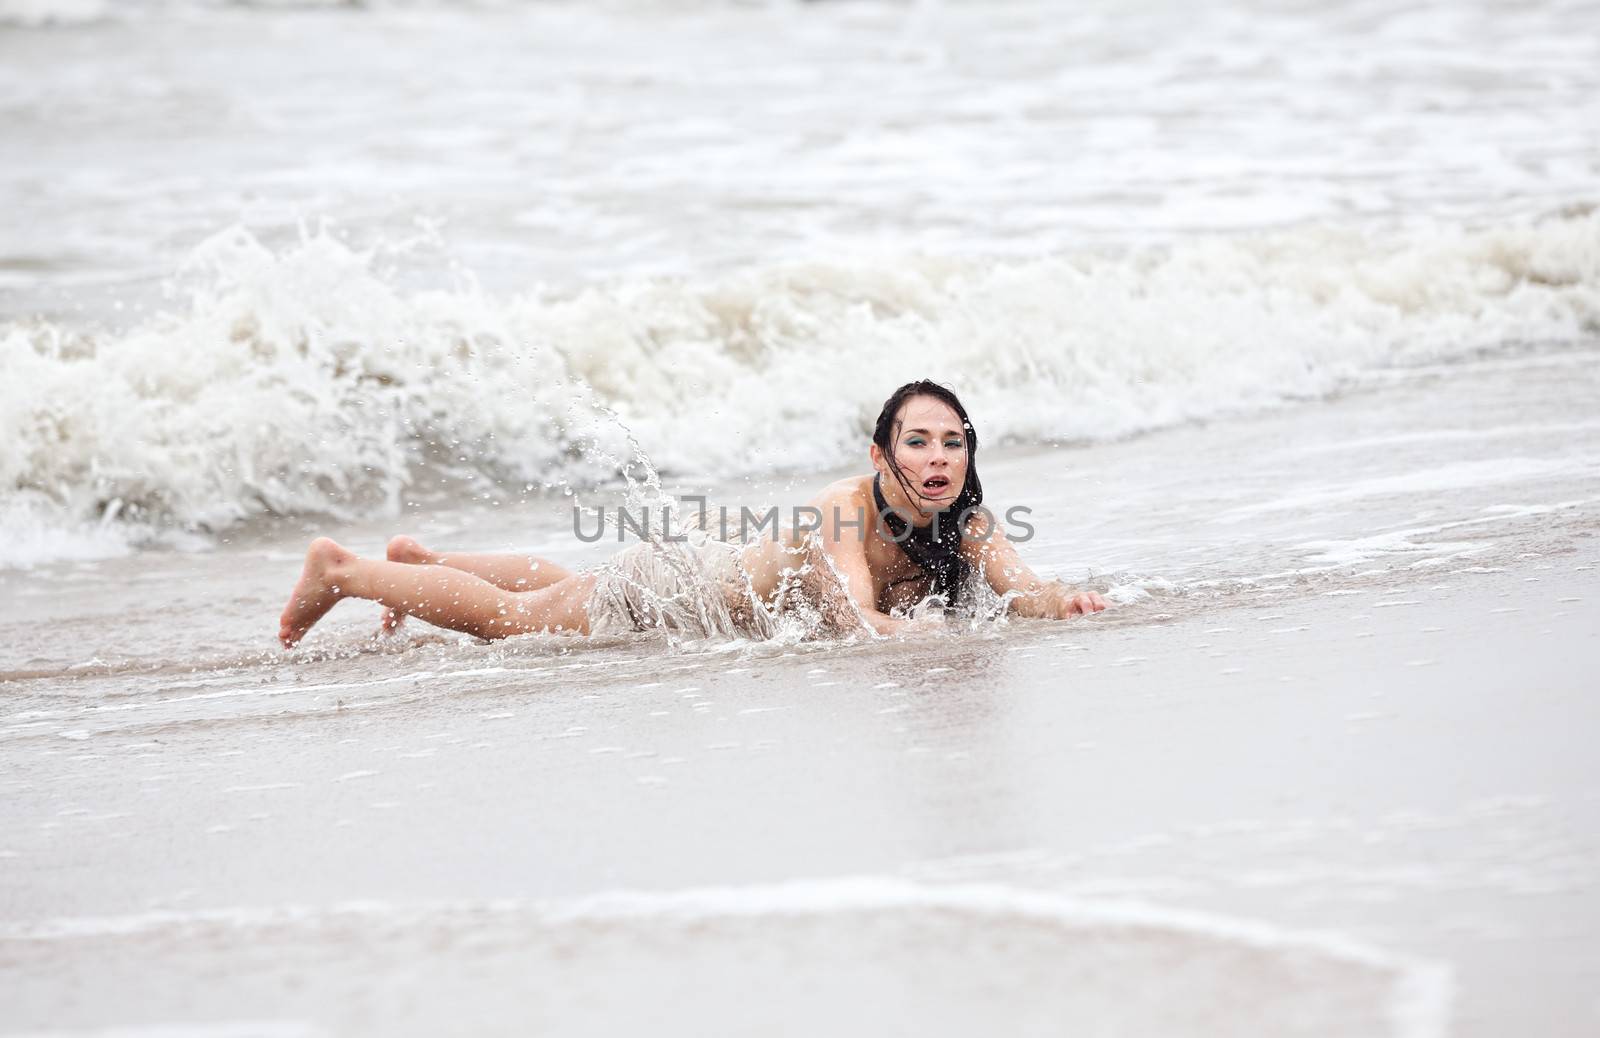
(402, 549)
(315, 593)
(406, 549)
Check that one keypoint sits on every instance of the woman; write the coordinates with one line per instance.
(883, 543)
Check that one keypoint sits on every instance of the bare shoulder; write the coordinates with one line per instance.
(849, 490)
(841, 506)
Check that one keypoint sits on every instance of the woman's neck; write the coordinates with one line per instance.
(894, 496)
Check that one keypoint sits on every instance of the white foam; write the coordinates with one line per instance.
(1429, 481)
(31, 534)
(301, 380)
(35, 13)
(178, 1029)
(651, 927)
(1442, 436)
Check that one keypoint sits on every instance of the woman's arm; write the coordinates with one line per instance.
(987, 548)
(845, 584)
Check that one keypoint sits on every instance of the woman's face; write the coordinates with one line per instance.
(930, 447)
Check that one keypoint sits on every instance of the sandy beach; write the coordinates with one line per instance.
(1320, 812)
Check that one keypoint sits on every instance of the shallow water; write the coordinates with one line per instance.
(1416, 473)
(1331, 696)
(918, 957)
(1281, 321)
(1335, 812)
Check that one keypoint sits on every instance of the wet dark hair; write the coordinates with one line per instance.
(937, 546)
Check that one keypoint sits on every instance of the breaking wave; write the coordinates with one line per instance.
(302, 379)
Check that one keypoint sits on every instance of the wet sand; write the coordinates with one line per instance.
(1409, 769)
(1325, 769)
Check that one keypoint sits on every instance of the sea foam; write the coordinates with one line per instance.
(301, 379)
(871, 954)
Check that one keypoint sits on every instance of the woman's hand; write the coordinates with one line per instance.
(1056, 601)
(1079, 604)
(926, 626)
(988, 549)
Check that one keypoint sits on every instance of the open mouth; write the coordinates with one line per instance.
(936, 485)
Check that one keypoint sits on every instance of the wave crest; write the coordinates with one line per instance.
(302, 379)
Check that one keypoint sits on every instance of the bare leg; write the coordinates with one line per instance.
(440, 595)
(510, 572)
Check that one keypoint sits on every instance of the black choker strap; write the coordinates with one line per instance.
(935, 547)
